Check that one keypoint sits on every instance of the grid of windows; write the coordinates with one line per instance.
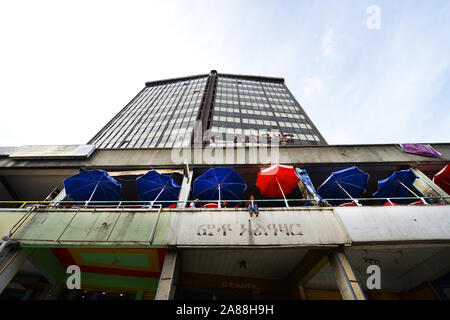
(250, 110)
(258, 109)
(161, 116)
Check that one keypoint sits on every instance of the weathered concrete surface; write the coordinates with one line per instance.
(396, 223)
(234, 227)
(166, 285)
(10, 265)
(295, 226)
(345, 277)
(9, 218)
(88, 227)
(339, 154)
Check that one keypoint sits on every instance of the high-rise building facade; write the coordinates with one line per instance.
(162, 115)
(231, 109)
(298, 246)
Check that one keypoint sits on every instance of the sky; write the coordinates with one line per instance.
(363, 75)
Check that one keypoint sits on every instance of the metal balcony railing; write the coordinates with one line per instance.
(263, 203)
(32, 208)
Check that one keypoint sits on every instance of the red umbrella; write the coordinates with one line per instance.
(277, 181)
(442, 179)
(211, 205)
(348, 204)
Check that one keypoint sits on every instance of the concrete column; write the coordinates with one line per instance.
(427, 187)
(10, 265)
(304, 192)
(185, 189)
(311, 263)
(166, 286)
(60, 197)
(345, 277)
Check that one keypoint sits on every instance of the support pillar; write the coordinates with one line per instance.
(10, 265)
(305, 193)
(167, 281)
(311, 263)
(427, 187)
(345, 277)
(60, 197)
(185, 190)
(306, 187)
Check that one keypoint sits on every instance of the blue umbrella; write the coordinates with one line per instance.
(219, 183)
(93, 185)
(155, 186)
(397, 185)
(346, 183)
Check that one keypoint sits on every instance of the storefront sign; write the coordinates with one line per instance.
(236, 227)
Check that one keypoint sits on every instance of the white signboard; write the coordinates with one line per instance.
(236, 227)
(396, 223)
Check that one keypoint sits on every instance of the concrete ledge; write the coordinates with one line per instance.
(305, 155)
(396, 224)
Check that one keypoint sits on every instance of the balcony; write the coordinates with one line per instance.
(119, 225)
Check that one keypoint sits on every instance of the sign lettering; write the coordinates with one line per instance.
(272, 229)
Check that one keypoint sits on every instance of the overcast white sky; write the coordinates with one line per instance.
(67, 67)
